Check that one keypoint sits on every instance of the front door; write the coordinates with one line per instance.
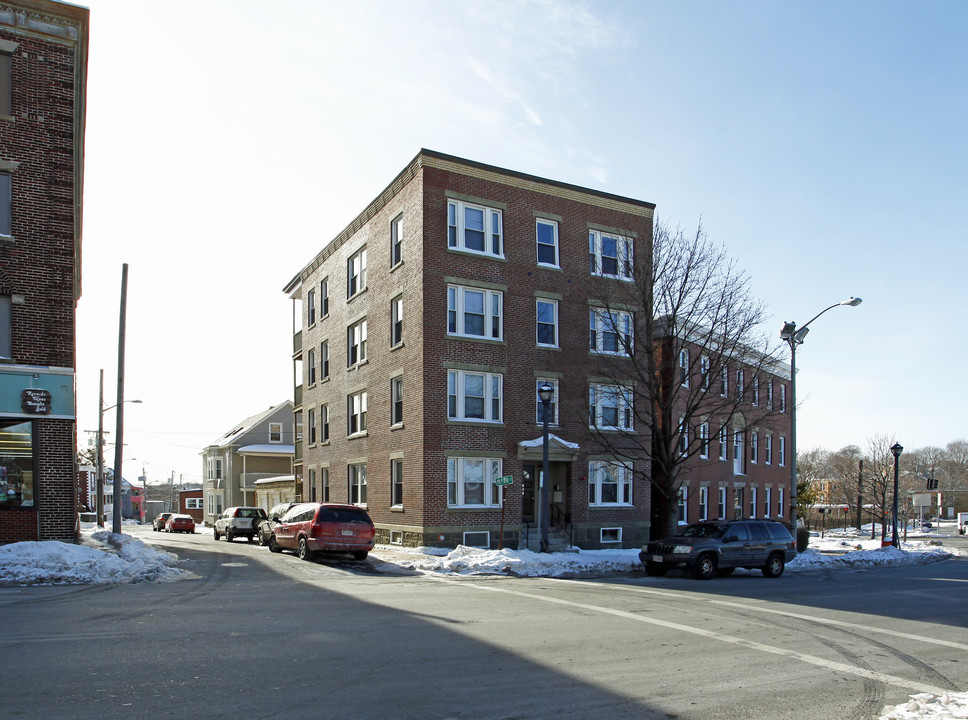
(529, 486)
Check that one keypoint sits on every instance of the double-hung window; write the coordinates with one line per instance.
(357, 483)
(723, 443)
(754, 447)
(768, 450)
(396, 241)
(396, 482)
(704, 503)
(6, 83)
(6, 205)
(552, 403)
(684, 368)
(470, 482)
(610, 407)
(547, 322)
(324, 359)
(609, 255)
(753, 501)
(547, 235)
(396, 321)
(782, 398)
(609, 332)
(704, 372)
(275, 432)
(740, 386)
(683, 503)
(356, 412)
(311, 367)
(782, 451)
(324, 298)
(475, 228)
(356, 343)
(396, 400)
(683, 437)
(473, 312)
(474, 396)
(769, 395)
(356, 273)
(767, 501)
(324, 423)
(609, 483)
(311, 421)
(756, 389)
(724, 382)
(311, 307)
(704, 440)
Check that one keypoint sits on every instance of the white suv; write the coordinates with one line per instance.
(236, 521)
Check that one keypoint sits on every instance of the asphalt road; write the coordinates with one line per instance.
(257, 635)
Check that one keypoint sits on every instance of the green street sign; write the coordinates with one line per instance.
(506, 480)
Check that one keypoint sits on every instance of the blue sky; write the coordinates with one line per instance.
(229, 140)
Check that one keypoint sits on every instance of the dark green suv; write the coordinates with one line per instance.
(720, 546)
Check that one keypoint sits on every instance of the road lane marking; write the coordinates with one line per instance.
(712, 635)
(841, 623)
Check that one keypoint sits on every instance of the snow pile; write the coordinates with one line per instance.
(465, 560)
(103, 558)
(932, 707)
(829, 554)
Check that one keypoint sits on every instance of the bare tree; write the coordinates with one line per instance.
(814, 467)
(685, 325)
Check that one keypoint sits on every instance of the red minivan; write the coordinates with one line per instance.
(309, 528)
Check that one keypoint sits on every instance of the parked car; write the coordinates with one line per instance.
(180, 523)
(275, 515)
(239, 522)
(309, 528)
(720, 546)
(158, 524)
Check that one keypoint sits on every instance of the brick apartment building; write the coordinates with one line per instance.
(735, 443)
(43, 75)
(421, 334)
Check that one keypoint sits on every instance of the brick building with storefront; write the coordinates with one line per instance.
(421, 334)
(43, 74)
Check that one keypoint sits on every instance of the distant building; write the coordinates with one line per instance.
(421, 335)
(192, 502)
(259, 447)
(43, 78)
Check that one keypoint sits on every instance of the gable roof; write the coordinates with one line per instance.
(239, 431)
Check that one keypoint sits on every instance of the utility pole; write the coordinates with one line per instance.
(860, 486)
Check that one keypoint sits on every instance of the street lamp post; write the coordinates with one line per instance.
(545, 392)
(795, 337)
(896, 449)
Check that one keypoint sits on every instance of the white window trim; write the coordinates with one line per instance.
(768, 459)
(356, 478)
(538, 244)
(767, 501)
(456, 311)
(704, 440)
(275, 428)
(704, 503)
(396, 240)
(396, 320)
(456, 230)
(684, 368)
(457, 486)
(624, 255)
(537, 335)
(723, 443)
(396, 389)
(356, 405)
(622, 396)
(356, 342)
(597, 470)
(617, 322)
(493, 396)
(356, 271)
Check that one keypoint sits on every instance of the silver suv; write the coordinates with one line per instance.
(239, 521)
(718, 547)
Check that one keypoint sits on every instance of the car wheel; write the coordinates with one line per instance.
(705, 567)
(273, 545)
(360, 555)
(774, 566)
(263, 540)
(303, 551)
(215, 534)
(655, 570)
(229, 536)
(250, 538)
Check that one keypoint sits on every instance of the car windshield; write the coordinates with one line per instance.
(709, 530)
(343, 515)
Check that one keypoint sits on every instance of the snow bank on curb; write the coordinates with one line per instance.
(932, 707)
(915, 554)
(465, 560)
(102, 558)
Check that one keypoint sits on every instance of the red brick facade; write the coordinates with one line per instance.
(428, 439)
(41, 156)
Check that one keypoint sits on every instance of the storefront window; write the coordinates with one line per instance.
(16, 464)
